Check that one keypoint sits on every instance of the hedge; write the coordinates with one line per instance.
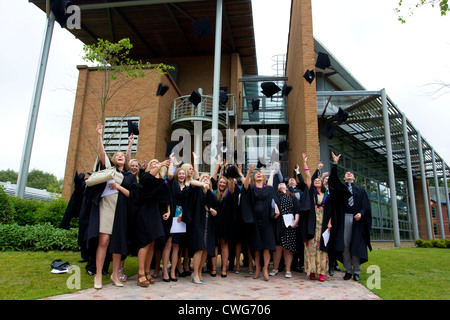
(37, 237)
(435, 243)
(15, 210)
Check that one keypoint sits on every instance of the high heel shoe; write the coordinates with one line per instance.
(143, 283)
(194, 280)
(97, 286)
(266, 274)
(116, 283)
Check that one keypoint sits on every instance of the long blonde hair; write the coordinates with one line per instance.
(221, 195)
(204, 175)
(129, 166)
(186, 167)
(113, 160)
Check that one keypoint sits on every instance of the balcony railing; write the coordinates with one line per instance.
(184, 112)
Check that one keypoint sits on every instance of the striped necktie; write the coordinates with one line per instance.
(350, 200)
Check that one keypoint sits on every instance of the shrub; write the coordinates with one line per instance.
(7, 210)
(434, 243)
(37, 237)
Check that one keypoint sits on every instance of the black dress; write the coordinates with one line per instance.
(153, 193)
(288, 235)
(257, 210)
(201, 233)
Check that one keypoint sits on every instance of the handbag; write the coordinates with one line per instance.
(101, 176)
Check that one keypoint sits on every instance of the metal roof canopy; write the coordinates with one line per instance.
(365, 126)
(164, 28)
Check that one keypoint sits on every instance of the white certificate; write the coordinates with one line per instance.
(177, 227)
(326, 237)
(107, 190)
(288, 219)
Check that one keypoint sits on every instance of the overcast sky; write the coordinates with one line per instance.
(364, 35)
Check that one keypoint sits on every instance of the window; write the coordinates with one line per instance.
(435, 229)
(433, 212)
(116, 134)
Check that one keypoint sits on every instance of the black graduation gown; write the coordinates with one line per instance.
(153, 193)
(223, 219)
(239, 234)
(199, 225)
(178, 198)
(308, 214)
(76, 199)
(119, 242)
(360, 229)
(257, 210)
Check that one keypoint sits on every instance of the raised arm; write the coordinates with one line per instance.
(306, 169)
(216, 168)
(195, 166)
(101, 149)
(248, 176)
(130, 145)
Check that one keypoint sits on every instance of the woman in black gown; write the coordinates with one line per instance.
(259, 209)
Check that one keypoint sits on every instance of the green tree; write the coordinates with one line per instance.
(44, 180)
(411, 6)
(113, 59)
(8, 175)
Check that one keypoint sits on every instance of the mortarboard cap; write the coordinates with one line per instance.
(282, 146)
(195, 98)
(174, 147)
(269, 89)
(133, 128)
(202, 27)
(323, 61)
(162, 89)
(260, 164)
(255, 105)
(309, 75)
(286, 90)
(341, 116)
(231, 172)
(275, 156)
(328, 131)
(59, 8)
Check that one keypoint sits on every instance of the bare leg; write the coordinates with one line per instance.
(224, 255)
(103, 242)
(165, 259)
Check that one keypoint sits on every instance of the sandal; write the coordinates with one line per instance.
(274, 272)
(143, 283)
(122, 278)
(149, 278)
(288, 274)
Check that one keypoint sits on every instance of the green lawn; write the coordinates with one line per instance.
(26, 275)
(406, 274)
(411, 273)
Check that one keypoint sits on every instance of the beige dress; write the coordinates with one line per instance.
(108, 207)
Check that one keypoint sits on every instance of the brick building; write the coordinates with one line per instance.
(390, 158)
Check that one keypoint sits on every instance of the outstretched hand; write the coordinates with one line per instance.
(335, 157)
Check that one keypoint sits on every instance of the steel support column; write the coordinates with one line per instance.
(390, 164)
(424, 186)
(412, 198)
(216, 85)
(32, 118)
(438, 194)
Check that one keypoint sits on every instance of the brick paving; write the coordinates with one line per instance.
(240, 286)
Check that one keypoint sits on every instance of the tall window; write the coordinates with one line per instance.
(116, 134)
(433, 212)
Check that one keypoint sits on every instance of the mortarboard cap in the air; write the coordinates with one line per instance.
(269, 89)
(174, 147)
(255, 105)
(260, 163)
(286, 90)
(309, 76)
(195, 98)
(323, 61)
(59, 8)
(231, 172)
(202, 27)
(162, 89)
(341, 116)
(133, 128)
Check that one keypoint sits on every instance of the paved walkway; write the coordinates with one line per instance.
(240, 286)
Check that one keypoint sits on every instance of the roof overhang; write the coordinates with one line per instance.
(164, 28)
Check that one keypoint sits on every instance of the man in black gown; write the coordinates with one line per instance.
(354, 219)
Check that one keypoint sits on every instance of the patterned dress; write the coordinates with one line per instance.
(288, 235)
(316, 260)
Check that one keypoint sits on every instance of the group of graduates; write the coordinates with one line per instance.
(168, 208)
